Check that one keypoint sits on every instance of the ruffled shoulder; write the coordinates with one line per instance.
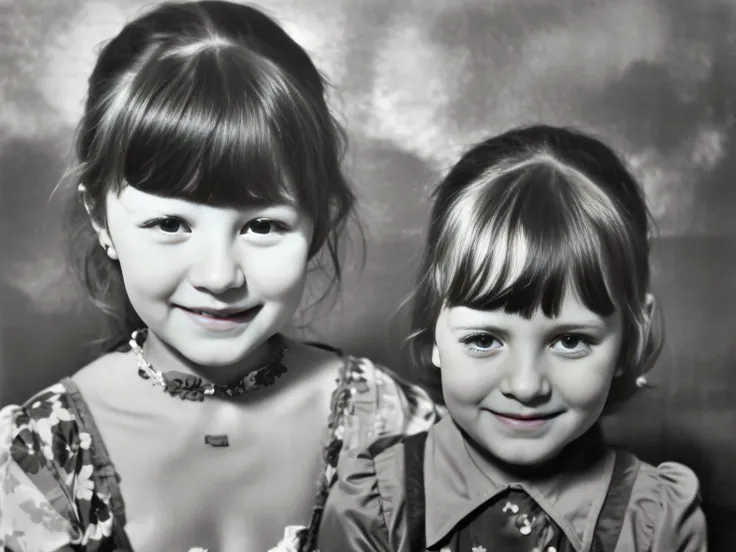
(48, 497)
(382, 403)
(361, 513)
(33, 502)
(665, 510)
(370, 405)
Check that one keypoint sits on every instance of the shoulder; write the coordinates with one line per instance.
(44, 415)
(103, 374)
(384, 403)
(38, 433)
(39, 444)
(365, 505)
(53, 489)
(665, 508)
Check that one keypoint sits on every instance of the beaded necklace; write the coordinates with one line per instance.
(189, 387)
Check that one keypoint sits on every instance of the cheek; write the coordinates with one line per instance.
(148, 269)
(586, 386)
(282, 269)
(465, 380)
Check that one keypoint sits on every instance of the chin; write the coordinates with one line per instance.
(527, 458)
(215, 359)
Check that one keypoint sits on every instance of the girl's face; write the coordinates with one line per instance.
(211, 282)
(524, 389)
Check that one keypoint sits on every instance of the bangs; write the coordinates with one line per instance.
(216, 125)
(522, 243)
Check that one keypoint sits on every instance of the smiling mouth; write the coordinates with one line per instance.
(527, 417)
(224, 315)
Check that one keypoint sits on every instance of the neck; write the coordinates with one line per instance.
(163, 357)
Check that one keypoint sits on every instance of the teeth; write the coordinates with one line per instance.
(218, 314)
(214, 314)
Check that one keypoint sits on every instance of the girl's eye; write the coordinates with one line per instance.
(481, 342)
(264, 226)
(572, 344)
(168, 225)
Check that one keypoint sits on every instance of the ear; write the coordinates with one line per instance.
(87, 202)
(102, 233)
(436, 356)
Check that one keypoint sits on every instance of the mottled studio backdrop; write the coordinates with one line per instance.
(415, 80)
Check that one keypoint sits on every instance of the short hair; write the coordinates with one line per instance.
(524, 217)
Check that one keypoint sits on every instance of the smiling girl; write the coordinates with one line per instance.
(533, 303)
(208, 185)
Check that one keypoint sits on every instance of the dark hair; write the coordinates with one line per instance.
(212, 102)
(523, 216)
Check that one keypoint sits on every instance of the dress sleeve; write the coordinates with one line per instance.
(384, 404)
(30, 498)
(360, 515)
(665, 512)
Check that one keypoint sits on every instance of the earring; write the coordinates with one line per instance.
(110, 250)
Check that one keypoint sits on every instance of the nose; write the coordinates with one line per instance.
(525, 379)
(217, 269)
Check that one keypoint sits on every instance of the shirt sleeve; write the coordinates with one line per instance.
(362, 510)
(29, 522)
(384, 404)
(665, 513)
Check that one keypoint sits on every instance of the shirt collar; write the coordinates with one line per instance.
(458, 480)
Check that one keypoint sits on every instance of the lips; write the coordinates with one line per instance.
(528, 424)
(223, 314)
(532, 417)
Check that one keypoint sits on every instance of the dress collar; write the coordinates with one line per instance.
(458, 479)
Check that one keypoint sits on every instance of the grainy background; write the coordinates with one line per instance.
(416, 80)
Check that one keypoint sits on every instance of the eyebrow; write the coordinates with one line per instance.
(495, 330)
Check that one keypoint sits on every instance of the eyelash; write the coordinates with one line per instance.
(469, 340)
(586, 340)
(156, 223)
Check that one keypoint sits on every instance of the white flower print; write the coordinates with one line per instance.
(7, 417)
(85, 486)
(44, 425)
(57, 389)
(85, 440)
(97, 531)
(290, 542)
(330, 473)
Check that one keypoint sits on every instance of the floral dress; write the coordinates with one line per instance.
(59, 489)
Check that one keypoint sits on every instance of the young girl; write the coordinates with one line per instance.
(533, 304)
(209, 184)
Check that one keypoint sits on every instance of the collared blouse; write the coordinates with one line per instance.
(366, 509)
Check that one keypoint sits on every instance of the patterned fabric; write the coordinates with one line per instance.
(50, 495)
(57, 494)
(512, 522)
